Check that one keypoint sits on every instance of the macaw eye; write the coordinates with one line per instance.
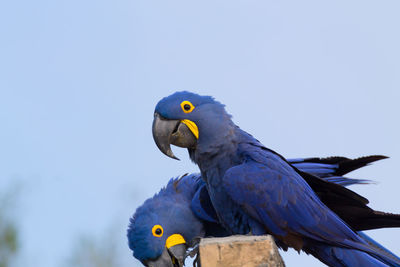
(157, 230)
(187, 107)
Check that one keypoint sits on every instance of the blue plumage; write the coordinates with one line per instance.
(189, 193)
(254, 189)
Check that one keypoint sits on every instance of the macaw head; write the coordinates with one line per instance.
(184, 119)
(164, 227)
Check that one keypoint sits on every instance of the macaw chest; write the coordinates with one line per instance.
(230, 215)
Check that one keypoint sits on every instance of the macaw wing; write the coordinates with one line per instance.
(282, 201)
(278, 198)
(324, 168)
(349, 206)
(204, 210)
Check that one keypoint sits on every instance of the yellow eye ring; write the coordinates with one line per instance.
(187, 107)
(157, 230)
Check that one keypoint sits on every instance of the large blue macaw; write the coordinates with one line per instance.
(193, 217)
(254, 189)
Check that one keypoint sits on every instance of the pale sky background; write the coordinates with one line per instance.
(79, 81)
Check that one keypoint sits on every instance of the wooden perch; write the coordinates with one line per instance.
(239, 251)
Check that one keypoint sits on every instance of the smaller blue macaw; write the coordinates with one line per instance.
(162, 228)
(174, 219)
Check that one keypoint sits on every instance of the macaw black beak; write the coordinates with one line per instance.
(173, 254)
(176, 132)
(164, 260)
(178, 254)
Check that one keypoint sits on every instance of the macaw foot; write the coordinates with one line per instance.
(194, 252)
(196, 262)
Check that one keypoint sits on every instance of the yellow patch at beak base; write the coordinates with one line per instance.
(174, 239)
(192, 127)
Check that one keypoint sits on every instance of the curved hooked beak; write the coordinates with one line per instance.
(173, 254)
(182, 133)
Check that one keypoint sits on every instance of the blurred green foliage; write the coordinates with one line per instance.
(95, 251)
(9, 244)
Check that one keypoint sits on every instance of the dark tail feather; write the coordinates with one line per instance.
(374, 219)
(349, 165)
(333, 166)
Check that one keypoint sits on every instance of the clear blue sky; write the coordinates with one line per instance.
(79, 81)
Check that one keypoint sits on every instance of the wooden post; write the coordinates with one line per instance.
(240, 251)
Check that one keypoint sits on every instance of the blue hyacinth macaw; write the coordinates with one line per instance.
(187, 199)
(254, 189)
(164, 226)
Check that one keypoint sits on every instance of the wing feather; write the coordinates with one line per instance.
(277, 197)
